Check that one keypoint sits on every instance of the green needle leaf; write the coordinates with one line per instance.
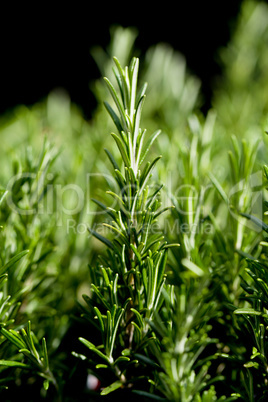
(137, 254)
(13, 261)
(13, 337)
(122, 359)
(3, 196)
(92, 347)
(219, 188)
(192, 266)
(45, 355)
(256, 220)
(113, 387)
(113, 162)
(133, 85)
(101, 238)
(114, 117)
(109, 211)
(249, 311)
(148, 146)
(97, 311)
(146, 172)
(117, 102)
(117, 231)
(101, 297)
(139, 317)
(3, 278)
(11, 363)
(122, 149)
(137, 121)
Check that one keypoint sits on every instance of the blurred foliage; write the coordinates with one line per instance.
(240, 93)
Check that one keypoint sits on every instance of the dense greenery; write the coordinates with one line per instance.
(134, 265)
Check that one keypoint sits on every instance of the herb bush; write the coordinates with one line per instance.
(140, 271)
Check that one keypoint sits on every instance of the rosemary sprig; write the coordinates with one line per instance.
(128, 291)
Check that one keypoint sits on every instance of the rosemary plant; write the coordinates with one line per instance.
(189, 324)
(20, 254)
(128, 280)
(251, 317)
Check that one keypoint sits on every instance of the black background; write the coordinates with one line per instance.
(43, 47)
